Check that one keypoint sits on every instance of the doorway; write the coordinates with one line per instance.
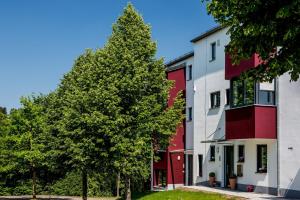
(228, 164)
(190, 170)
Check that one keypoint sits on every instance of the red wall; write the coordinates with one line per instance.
(175, 168)
(235, 70)
(251, 122)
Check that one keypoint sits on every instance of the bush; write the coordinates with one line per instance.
(212, 174)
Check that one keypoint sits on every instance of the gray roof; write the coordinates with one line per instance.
(177, 60)
(207, 33)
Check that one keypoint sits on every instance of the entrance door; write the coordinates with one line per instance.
(228, 164)
(190, 170)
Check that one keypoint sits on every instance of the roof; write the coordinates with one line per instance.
(177, 60)
(207, 33)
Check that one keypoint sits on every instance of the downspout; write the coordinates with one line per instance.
(205, 104)
(277, 128)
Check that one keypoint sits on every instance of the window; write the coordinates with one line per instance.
(200, 160)
(262, 158)
(212, 153)
(190, 114)
(242, 92)
(215, 99)
(190, 75)
(227, 100)
(213, 51)
(241, 153)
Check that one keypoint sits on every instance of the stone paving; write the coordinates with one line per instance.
(247, 195)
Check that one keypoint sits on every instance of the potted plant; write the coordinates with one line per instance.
(232, 181)
(212, 179)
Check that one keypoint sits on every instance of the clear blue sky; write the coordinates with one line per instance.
(39, 39)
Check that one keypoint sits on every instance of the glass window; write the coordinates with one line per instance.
(213, 51)
(242, 92)
(190, 114)
(212, 153)
(227, 100)
(262, 158)
(241, 153)
(190, 75)
(215, 99)
(200, 160)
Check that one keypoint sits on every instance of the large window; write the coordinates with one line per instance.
(200, 160)
(242, 92)
(247, 92)
(262, 158)
(212, 153)
(215, 99)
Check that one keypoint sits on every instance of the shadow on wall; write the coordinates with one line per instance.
(293, 189)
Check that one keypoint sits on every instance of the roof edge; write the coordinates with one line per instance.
(179, 59)
(207, 33)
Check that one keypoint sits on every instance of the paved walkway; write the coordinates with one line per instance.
(247, 195)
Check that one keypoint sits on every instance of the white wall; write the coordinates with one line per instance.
(208, 77)
(289, 132)
(250, 175)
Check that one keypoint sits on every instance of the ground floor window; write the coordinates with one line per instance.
(262, 158)
(212, 153)
(241, 153)
(200, 160)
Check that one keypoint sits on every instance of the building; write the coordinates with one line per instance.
(250, 129)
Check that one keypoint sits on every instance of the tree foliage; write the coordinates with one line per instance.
(262, 27)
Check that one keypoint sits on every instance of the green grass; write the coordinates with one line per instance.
(180, 195)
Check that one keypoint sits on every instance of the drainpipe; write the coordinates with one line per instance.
(277, 128)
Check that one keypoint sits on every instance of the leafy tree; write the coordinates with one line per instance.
(113, 104)
(142, 93)
(261, 27)
(3, 110)
(21, 148)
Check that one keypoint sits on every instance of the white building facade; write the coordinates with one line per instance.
(234, 127)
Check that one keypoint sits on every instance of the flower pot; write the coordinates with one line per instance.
(232, 183)
(212, 181)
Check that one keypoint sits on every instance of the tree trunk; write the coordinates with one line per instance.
(118, 185)
(84, 184)
(127, 189)
(33, 182)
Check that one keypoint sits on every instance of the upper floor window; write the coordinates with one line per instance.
(215, 100)
(262, 158)
(190, 72)
(227, 100)
(213, 51)
(246, 92)
(190, 114)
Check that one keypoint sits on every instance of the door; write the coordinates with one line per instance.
(190, 170)
(228, 164)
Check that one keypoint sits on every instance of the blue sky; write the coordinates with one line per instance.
(40, 39)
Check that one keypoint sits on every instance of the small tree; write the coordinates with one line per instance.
(262, 27)
(21, 148)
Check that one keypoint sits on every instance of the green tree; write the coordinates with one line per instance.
(113, 104)
(21, 147)
(143, 119)
(262, 27)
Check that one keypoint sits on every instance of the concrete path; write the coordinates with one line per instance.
(247, 195)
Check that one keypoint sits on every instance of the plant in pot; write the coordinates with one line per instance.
(232, 181)
(212, 179)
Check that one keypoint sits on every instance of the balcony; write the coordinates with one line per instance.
(253, 121)
(232, 71)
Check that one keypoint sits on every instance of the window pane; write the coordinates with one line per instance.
(237, 92)
(212, 153)
(262, 158)
(200, 160)
(266, 97)
(249, 92)
(213, 51)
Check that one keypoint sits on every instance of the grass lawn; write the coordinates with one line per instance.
(181, 195)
